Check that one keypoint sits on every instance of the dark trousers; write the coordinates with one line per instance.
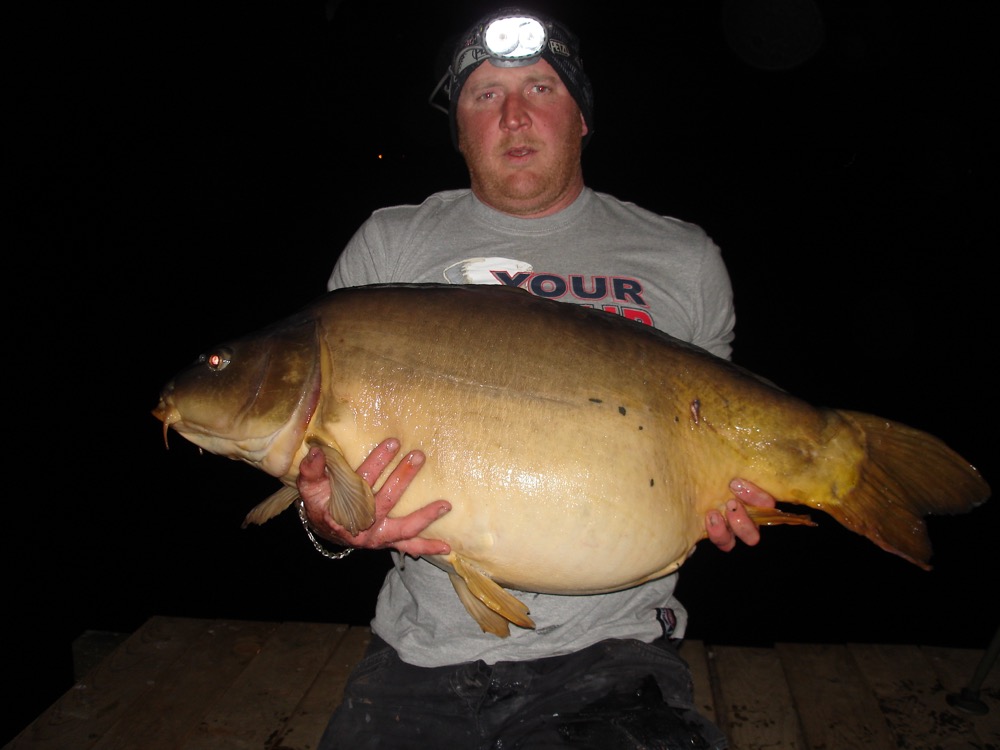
(614, 694)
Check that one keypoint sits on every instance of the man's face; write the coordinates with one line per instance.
(520, 132)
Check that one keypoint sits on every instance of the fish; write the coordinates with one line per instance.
(579, 450)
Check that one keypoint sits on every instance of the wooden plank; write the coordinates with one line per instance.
(955, 668)
(306, 725)
(255, 707)
(835, 707)
(696, 655)
(92, 647)
(189, 687)
(181, 683)
(753, 701)
(912, 698)
(111, 690)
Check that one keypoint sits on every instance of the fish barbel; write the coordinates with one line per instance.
(579, 450)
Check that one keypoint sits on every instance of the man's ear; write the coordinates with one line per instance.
(583, 123)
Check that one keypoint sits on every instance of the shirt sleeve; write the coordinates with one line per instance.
(717, 318)
(361, 259)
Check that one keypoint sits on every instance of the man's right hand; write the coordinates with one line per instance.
(398, 533)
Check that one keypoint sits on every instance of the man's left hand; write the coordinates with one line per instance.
(725, 529)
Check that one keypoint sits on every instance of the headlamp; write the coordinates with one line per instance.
(514, 39)
(507, 41)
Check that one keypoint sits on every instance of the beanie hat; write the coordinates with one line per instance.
(512, 37)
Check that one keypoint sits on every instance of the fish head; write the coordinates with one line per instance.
(250, 399)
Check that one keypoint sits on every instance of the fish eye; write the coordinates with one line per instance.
(217, 360)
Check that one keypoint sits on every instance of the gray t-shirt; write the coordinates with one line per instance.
(600, 252)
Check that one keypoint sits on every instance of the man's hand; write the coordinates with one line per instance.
(724, 530)
(399, 533)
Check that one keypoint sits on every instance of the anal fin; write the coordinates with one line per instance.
(776, 517)
(490, 604)
(488, 620)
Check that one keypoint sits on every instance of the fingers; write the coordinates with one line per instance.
(401, 533)
(719, 533)
(397, 482)
(407, 527)
(373, 466)
(313, 466)
(751, 494)
(416, 547)
(724, 530)
(741, 524)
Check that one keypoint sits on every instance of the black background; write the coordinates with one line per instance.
(181, 174)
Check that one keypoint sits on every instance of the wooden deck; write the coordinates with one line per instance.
(220, 684)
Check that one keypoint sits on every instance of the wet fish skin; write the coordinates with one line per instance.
(580, 451)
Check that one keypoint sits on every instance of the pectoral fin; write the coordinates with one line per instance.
(352, 503)
(272, 506)
(490, 605)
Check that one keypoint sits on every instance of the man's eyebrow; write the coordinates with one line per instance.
(544, 78)
(547, 78)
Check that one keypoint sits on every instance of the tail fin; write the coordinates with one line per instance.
(909, 474)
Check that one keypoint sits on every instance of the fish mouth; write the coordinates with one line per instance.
(271, 452)
(170, 415)
(167, 414)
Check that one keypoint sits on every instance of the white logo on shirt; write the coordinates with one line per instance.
(484, 270)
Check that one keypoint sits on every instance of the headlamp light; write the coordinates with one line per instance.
(514, 39)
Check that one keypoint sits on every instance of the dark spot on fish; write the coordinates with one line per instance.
(596, 401)
(695, 411)
(676, 419)
(640, 427)
(652, 482)
(621, 410)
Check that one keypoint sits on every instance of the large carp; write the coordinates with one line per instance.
(580, 451)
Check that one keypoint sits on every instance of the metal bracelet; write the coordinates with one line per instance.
(315, 542)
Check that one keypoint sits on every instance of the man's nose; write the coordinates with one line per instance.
(514, 115)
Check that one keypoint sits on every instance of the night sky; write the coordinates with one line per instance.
(185, 174)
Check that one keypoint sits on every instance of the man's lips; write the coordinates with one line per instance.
(518, 152)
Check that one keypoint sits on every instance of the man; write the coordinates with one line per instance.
(597, 671)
